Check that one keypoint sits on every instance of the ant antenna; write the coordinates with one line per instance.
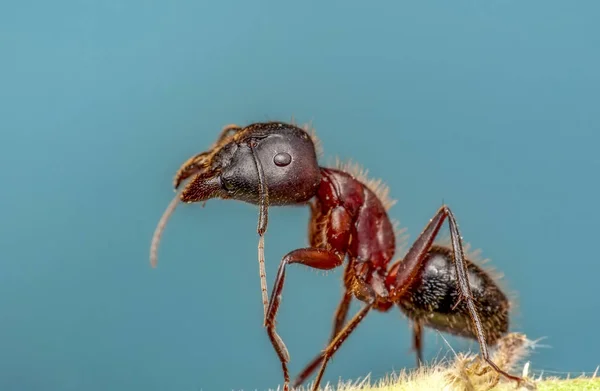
(263, 219)
(160, 227)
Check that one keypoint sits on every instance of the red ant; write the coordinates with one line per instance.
(275, 163)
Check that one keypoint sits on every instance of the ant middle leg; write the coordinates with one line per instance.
(413, 262)
(312, 257)
(369, 297)
(338, 322)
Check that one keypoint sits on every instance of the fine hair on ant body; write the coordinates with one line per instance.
(436, 286)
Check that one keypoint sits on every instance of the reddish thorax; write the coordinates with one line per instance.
(350, 219)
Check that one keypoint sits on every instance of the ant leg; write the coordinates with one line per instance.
(339, 319)
(312, 257)
(414, 260)
(418, 341)
(345, 333)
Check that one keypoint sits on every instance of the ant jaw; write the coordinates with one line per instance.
(192, 166)
(199, 163)
(202, 188)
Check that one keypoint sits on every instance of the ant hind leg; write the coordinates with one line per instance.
(418, 342)
(414, 260)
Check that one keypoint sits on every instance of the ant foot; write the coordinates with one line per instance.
(525, 384)
(483, 370)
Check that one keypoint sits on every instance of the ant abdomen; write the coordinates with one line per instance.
(434, 298)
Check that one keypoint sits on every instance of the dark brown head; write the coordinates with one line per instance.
(280, 155)
(264, 163)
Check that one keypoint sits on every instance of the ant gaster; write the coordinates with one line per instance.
(436, 286)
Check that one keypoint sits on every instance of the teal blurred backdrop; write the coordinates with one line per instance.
(491, 107)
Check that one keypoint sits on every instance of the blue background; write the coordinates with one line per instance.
(489, 106)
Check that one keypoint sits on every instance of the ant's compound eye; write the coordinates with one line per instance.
(282, 159)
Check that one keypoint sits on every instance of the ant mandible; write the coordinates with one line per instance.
(275, 163)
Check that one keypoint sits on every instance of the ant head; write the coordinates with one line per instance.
(264, 163)
(275, 158)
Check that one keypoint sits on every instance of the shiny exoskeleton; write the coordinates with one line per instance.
(436, 286)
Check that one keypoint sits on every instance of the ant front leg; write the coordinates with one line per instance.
(413, 262)
(312, 257)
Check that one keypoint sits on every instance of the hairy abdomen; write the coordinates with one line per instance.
(433, 296)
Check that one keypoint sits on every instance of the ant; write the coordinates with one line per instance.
(275, 163)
